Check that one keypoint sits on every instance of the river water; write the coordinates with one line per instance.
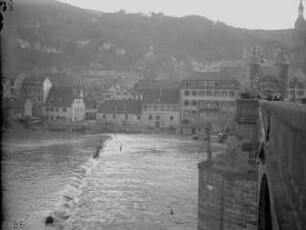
(138, 182)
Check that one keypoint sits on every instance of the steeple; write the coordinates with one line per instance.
(300, 23)
(301, 9)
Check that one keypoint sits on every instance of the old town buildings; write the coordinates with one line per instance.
(120, 112)
(65, 103)
(161, 108)
(36, 89)
(208, 97)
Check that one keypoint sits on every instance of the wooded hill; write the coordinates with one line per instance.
(43, 34)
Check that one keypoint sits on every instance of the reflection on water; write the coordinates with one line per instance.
(135, 188)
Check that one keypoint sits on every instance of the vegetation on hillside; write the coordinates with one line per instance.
(47, 34)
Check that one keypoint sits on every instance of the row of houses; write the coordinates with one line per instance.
(150, 104)
(188, 104)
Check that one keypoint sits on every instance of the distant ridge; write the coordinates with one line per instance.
(47, 34)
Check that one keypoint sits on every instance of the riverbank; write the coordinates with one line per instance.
(83, 127)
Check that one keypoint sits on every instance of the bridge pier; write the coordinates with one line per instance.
(236, 193)
(228, 183)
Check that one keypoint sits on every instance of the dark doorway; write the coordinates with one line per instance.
(264, 209)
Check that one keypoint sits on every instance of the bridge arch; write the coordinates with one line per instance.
(264, 206)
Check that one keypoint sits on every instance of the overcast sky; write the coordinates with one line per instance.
(251, 14)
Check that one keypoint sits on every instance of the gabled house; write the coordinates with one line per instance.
(17, 108)
(65, 103)
(37, 90)
(161, 108)
(120, 112)
(117, 92)
(11, 87)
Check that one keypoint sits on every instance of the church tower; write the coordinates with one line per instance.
(282, 63)
(299, 52)
(254, 64)
(254, 67)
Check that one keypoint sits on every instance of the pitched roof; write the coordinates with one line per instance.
(161, 96)
(296, 73)
(61, 79)
(90, 100)
(14, 104)
(144, 84)
(238, 72)
(61, 96)
(34, 81)
(210, 76)
(121, 107)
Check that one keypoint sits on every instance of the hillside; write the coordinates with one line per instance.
(46, 34)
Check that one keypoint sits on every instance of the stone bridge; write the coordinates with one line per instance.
(260, 182)
(282, 166)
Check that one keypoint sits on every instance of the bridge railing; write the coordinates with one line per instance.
(284, 160)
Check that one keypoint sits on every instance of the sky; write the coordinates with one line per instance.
(251, 14)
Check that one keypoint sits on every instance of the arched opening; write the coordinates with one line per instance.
(264, 209)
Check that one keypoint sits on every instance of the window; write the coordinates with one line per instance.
(232, 93)
(186, 102)
(64, 109)
(209, 93)
(126, 117)
(150, 117)
(194, 93)
(209, 83)
(224, 93)
(138, 117)
(202, 93)
(187, 93)
(194, 112)
(57, 109)
(194, 103)
(216, 84)
(104, 116)
(114, 116)
(171, 118)
(155, 107)
(157, 117)
(216, 93)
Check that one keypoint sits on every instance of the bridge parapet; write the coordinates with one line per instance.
(282, 170)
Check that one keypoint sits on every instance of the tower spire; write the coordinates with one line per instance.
(301, 9)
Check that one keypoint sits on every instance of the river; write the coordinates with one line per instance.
(138, 182)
